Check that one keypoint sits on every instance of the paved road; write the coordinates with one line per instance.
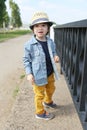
(11, 67)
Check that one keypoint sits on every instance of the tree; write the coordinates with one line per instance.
(15, 14)
(4, 17)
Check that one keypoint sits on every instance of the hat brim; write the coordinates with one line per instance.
(48, 22)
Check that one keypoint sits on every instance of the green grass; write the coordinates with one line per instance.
(17, 88)
(22, 76)
(15, 92)
(11, 34)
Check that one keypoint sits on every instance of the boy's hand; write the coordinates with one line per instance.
(56, 59)
(30, 78)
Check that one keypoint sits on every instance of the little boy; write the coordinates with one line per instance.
(39, 62)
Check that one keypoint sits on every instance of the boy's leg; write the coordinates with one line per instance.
(50, 88)
(39, 96)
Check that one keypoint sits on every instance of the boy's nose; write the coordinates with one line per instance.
(40, 27)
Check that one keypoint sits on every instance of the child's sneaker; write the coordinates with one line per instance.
(45, 116)
(49, 105)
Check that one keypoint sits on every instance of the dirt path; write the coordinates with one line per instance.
(22, 116)
(19, 114)
(11, 68)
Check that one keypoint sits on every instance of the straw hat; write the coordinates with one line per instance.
(40, 17)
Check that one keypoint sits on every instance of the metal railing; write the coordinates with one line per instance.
(71, 42)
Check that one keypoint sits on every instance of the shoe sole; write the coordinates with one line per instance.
(52, 116)
(49, 106)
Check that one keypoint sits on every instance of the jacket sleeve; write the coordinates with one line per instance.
(27, 60)
(54, 49)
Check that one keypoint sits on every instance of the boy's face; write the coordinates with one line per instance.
(40, 30)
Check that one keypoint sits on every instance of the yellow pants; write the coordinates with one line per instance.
(43, 94)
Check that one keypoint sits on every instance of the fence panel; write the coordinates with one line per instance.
(71, 42)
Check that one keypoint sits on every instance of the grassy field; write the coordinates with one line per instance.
(11, 34)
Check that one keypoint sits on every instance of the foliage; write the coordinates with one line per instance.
(15, 14)
(4, 17)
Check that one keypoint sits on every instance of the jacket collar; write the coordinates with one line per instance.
(34, 41)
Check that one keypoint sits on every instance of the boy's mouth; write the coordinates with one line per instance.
(40, 32)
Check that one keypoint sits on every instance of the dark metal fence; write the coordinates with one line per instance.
(71, 42)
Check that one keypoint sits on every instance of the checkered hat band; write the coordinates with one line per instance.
(40, 19)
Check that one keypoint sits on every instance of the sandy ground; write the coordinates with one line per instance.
(11, 69)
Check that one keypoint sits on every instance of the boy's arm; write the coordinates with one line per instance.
(27, 61)
(27, 64)
(56, 57)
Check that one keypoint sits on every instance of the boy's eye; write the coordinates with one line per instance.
(36, 25)
(43, 25)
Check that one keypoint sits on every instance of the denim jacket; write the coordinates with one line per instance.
(35, 62)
